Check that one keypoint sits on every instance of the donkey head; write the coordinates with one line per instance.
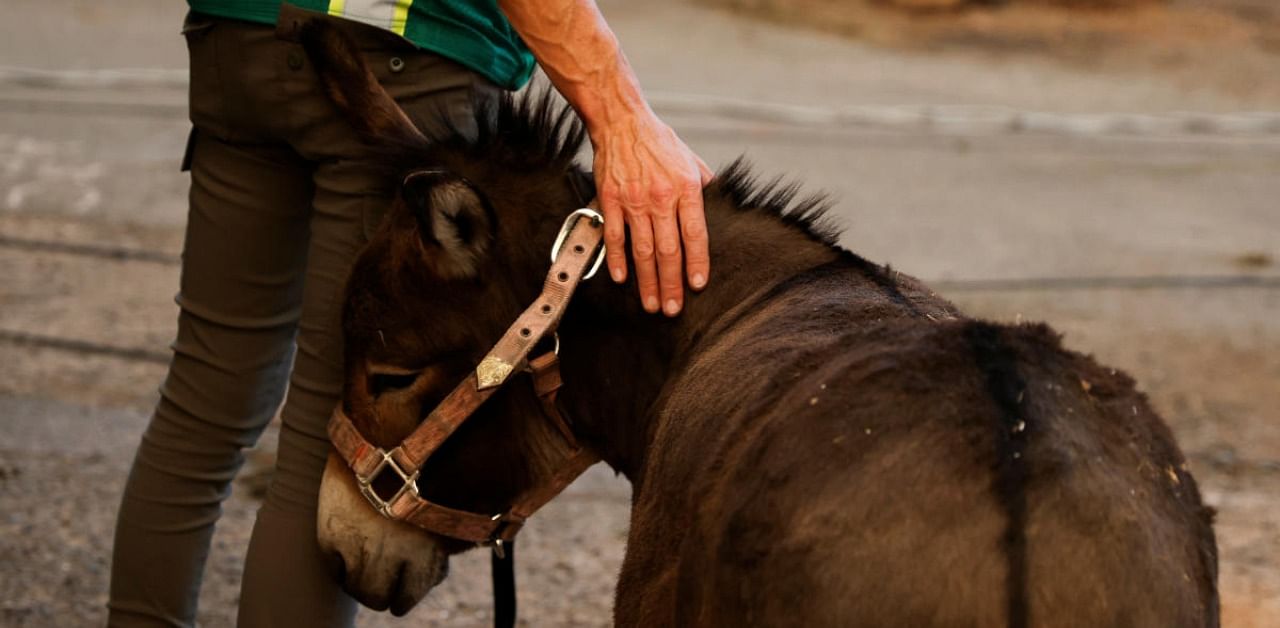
(459, 254)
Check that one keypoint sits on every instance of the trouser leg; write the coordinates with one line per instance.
(287, 579)
(240, 296)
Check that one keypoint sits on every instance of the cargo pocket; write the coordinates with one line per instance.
(204, 92)
(189, 152)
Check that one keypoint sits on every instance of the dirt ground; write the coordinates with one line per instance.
(1217, 387)
(82, 188)
(1230, 45)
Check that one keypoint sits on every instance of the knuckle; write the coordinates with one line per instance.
(662, 193)
(668, 248)
(694, 229)
(631, 194)
(609, 194)
(643, 250)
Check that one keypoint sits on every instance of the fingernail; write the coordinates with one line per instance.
(673, 308)
(651, 304)
(698, 281)
(617, 275)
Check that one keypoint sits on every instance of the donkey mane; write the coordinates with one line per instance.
(537, 130)
(534, 130)
(780, 198)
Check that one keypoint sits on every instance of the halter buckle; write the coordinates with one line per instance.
(409, 484)
(569, 222)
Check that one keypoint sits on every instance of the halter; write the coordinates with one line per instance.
(575, 257)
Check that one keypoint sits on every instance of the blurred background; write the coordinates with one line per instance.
(1109, 166)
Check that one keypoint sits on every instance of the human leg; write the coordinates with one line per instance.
(239, 299)
(287, 581)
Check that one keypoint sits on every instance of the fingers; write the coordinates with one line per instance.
(615, 237)
(668, 240)
(705, 171)
(693, 232)
(666, 233)
(650, 191)
(643, 254)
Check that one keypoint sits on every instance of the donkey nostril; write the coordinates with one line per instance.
(337, 566)
(400, 600)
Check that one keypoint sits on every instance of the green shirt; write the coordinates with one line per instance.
(474, 33)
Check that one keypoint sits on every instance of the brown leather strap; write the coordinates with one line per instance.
(545, 370)
(511, 351)
(409, 507)
(577, 462)
(361, 456)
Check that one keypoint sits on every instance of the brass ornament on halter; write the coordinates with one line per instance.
(491, 372)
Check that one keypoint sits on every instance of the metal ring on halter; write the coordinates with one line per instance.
(569, 222)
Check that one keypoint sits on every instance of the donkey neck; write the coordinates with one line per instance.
(617, 359)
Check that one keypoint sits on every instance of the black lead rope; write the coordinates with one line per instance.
(504, 586)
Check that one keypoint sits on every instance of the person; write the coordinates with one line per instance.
(279, 206)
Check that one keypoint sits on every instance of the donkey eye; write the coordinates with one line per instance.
(380, 383)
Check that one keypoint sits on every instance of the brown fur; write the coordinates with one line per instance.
(815, 441)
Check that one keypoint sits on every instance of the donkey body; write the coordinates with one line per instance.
(815, 441)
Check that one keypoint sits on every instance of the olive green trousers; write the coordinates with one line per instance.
(281, 202)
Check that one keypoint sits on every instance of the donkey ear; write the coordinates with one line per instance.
(354, 89)
(454, 223)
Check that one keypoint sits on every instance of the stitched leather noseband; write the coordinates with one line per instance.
(575, 257)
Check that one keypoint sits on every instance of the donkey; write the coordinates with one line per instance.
(816, 441)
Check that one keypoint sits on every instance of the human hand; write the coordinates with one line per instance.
(648, 180)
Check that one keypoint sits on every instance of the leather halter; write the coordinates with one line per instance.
(575, 257)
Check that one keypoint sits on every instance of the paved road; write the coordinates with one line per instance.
(951, 202)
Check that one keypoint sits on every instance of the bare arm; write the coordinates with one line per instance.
(645, 175)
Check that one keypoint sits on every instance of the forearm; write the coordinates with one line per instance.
(582, 57)
(646, 178)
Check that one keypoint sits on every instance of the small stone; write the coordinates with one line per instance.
(1224, 458)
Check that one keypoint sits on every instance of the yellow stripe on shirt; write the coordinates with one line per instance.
(400, 17)
(336, 7)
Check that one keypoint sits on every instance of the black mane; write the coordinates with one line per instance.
(537, 130)
(533, 130)
(778, 197)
